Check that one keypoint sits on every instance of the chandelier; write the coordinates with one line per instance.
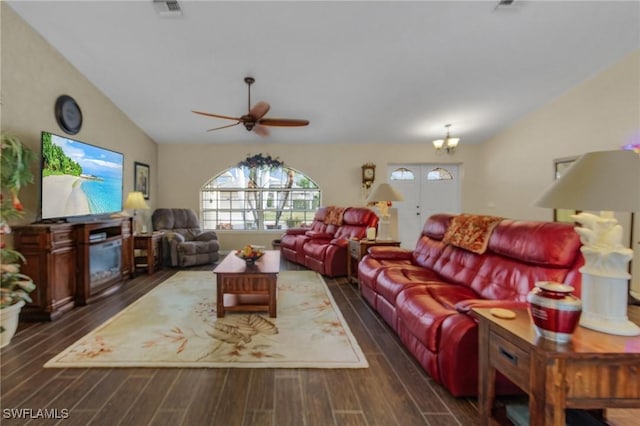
(448, 144)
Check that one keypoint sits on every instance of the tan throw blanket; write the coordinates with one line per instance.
(334, 215)
(471, 232)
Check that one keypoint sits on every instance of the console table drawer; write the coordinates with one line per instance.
(510, 359)
(355, 250)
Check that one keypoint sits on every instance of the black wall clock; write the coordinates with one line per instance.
(68, 114)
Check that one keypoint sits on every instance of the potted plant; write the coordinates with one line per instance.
(15, 159)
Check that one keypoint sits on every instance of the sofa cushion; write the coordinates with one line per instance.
(315, 248)
(503, 278)
(427, 252)
(392, 281)
(552, 244)
(182, 221)
(347, 232)
(458, 266)
(370, 267)
(199, 247)
(436, 226)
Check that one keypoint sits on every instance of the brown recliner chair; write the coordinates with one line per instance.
(184, 241)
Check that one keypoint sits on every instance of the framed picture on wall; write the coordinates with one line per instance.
(561, 165)
(141, 178)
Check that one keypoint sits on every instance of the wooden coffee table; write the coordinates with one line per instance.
(247, 287)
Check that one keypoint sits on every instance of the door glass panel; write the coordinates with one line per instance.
(439, 174)
(402, 173)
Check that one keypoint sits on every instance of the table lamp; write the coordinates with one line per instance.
(604, 181)
(383, 196)
(135, 201)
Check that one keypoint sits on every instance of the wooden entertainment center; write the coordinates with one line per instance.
(62, 259)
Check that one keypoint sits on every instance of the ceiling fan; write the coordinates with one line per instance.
(254, 118)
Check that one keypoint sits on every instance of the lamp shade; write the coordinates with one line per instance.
(600, 181)
(385, 192)
(135, 201)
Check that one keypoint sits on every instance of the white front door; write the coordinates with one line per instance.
(427, 189)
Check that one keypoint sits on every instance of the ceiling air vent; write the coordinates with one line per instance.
(508, 5)
(167, 8)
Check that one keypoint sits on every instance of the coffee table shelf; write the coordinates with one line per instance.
(247, 287)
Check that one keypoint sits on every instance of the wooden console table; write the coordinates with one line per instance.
(249, 287)
(59, 261)
(592, 371)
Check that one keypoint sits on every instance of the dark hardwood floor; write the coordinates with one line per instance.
(393, 391)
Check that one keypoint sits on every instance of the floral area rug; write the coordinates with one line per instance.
(175, 325)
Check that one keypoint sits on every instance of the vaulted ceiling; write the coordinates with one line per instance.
(362, 71)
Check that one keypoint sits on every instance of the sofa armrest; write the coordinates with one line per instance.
(296, 231)
(206, 236)
(170, 250)
(174, 236)
(390, 253)
(340, 242)
(466, 306)
(317, 235)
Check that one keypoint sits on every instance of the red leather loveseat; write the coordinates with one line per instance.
(322, 247)
(461, 262)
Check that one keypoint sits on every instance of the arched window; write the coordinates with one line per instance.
(258, 197)
(402, 173)
(439, 174)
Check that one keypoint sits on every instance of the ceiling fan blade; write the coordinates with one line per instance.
(283, 122)
(208, 114)
(223, 127)
(261, 130)
(259, 110)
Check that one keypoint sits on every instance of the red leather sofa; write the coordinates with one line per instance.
(426, 294)
(322, 247)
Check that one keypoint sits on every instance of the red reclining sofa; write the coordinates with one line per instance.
(322, 247)
(461, 262)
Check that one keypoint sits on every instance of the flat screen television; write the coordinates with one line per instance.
(79, 180)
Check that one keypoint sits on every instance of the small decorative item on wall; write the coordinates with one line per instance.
(368, 177)
(368, 174)
(561, 165)
(141, 178)
(259, 161)
(68, 114)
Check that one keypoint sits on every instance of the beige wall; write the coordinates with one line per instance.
(602, 113)
(33, 76)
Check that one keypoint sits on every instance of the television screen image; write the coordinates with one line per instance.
(79, 179)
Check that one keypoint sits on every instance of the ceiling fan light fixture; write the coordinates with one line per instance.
(254, 120)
